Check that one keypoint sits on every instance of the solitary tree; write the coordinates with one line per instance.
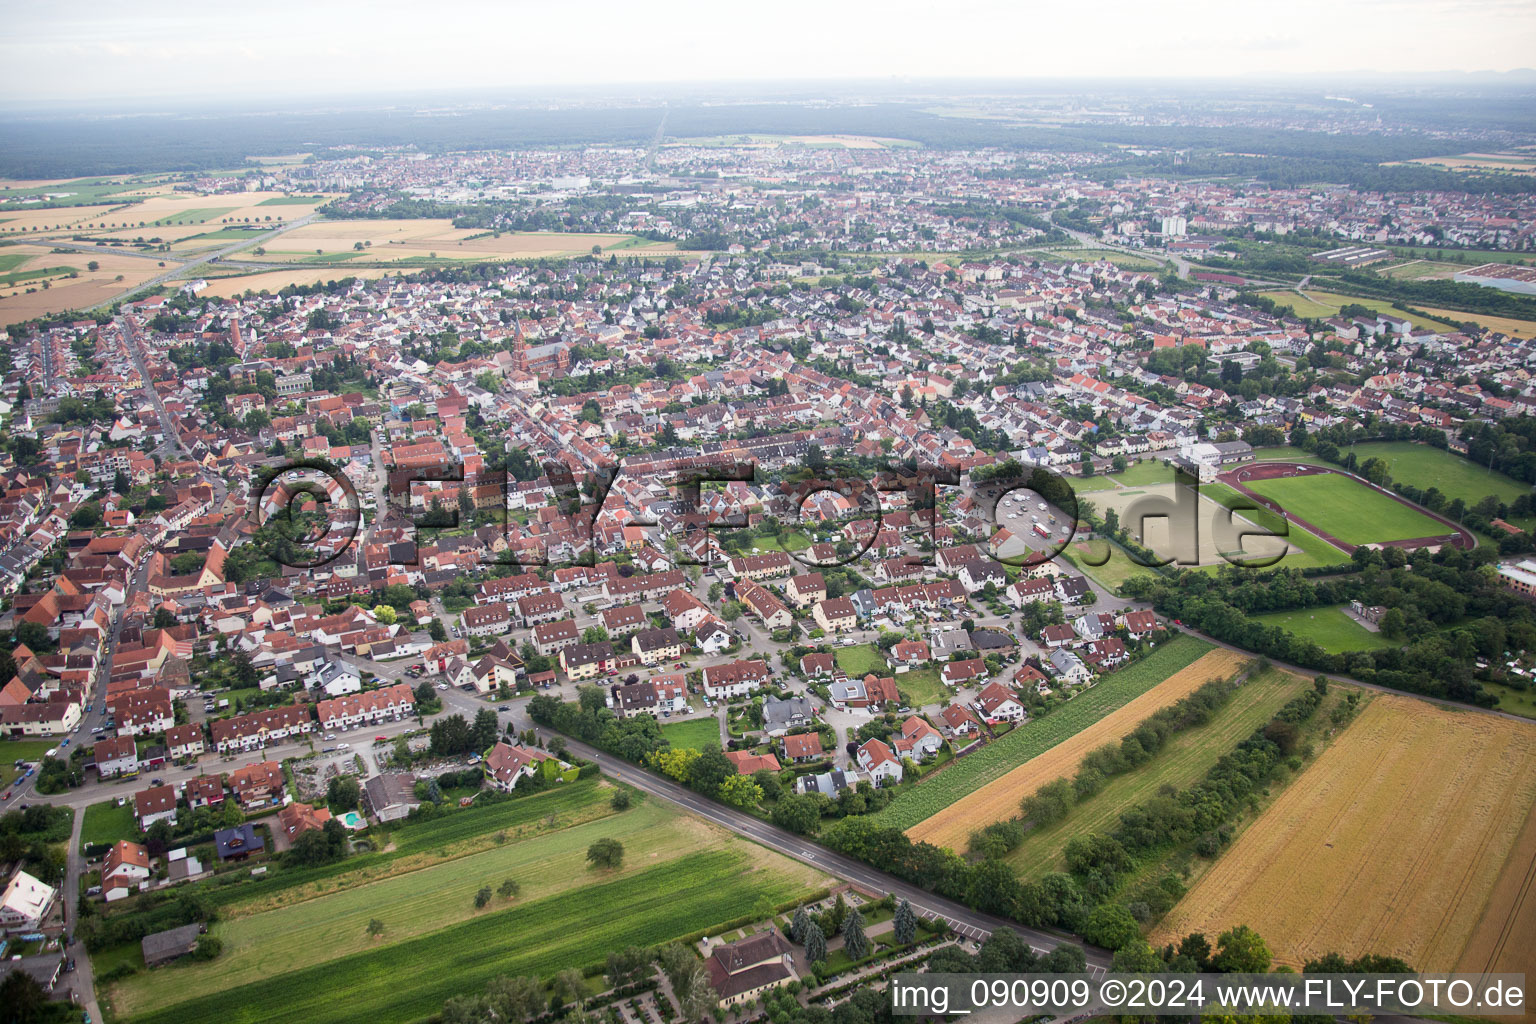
(606, 853)
(509, 888)
(375, 926)
(483, 896)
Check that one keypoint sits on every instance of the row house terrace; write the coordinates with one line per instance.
(352, 711)
(260, 728)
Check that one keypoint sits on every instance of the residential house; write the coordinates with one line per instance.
(919, 740)
(656, 646)
(734, 679)
(876, 758)
(997, 703)
(801, 747)
(506, 764)
(116, 755)
(804, 591)
(295, 819)
(257, 785)
(780, 716)
(157, 803)
(835, 615)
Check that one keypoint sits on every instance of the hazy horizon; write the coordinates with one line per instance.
(156, 53)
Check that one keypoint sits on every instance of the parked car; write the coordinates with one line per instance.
(504, 707)
(157, 782)
(381, 739)
(442, 686)
(330, 736)
(343, 746)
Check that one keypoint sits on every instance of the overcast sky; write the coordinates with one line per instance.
(88, 50)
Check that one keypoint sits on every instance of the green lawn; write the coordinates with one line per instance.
(291, 201)
(791, 542)
(1112, 573)
(222, 235)
(1516, 702)
(1130, 261)
(996, 759)
(1318, 304)
(1183, 760)
(1328, 627)
(1311, 550)
(693, 731)
(1089, 484)
(1286, 453)
(1302, 307)
(1144, 473)
(1456, 477)
(858, 662)
(1348, 510)
(410, 980)
(107, 823)
(923, 686)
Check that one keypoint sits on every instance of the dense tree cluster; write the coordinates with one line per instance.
(1450, 603)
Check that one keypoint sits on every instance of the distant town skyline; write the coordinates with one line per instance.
(94, 51)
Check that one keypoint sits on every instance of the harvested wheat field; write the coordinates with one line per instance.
(999, 800)
(1505, 936)
(1394, 841)
(437, 238)
(279, 279)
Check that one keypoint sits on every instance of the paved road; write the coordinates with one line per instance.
(83, 981)
(1088, 241)
(193, 264)
(964, 920)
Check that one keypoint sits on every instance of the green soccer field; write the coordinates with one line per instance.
(1423, 466)
(1348, 510)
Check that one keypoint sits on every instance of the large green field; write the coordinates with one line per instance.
(1002, 755)
(1348, 510)
(411, 979)
(694, 731)
(1321, 304)
(1328, 627)
(1310, 549)
(200, 215)
(1182, 761)
(1456, 477)
(411, 846)
(1144, 473)
(334, 926)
